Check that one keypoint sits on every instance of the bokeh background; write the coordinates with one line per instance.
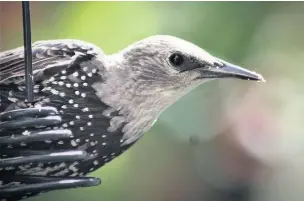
(227, 140)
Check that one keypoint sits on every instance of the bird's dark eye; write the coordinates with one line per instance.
(176, 59)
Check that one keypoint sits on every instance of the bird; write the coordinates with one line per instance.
(107, 101)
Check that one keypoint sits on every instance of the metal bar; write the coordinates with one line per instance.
(27, 50)
(36, 136)
(23, 123)
(28, 112)
(48, 157)
(36, 184)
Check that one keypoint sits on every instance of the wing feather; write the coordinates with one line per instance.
(45, 54)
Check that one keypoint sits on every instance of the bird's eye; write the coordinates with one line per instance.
(176, 59)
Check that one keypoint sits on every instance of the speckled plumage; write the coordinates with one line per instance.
(65, 83)
(108, 101)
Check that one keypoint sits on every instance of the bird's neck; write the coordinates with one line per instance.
(139, 101)
(138, 108)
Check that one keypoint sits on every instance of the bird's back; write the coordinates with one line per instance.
(64, 75)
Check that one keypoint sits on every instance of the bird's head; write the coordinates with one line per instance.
(167, 67)
(151, 74)
(169, 61)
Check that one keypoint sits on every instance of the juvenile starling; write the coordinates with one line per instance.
(107, 101)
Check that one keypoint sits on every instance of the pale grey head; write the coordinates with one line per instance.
(152, 74)
(164, 63)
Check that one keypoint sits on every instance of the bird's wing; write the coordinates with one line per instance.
(45, 55)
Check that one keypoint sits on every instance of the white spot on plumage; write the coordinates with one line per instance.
(103, 136)
(9, 168)
(60, 142)
(83, 95)
(64, 107)
(85, 84)
(71, 123)
(104, 144)
(55, 92)
(95, 162)
(77, 117)
(47, 89)
(85, 109)
(75, 105)
(26, 132)
(62, 94)
(83, 77)
(85, 69)
(68, 85)
(73, 168)
(60, 83)
(81, 128)
(63, 77)
(90, 116)
(12, 99)
(75, 74)
(62, 172)
(89, 123)
(21, 88)
(90, 74)
(77, 140)
(65, 125)
(107, 112)
(92, 134)
(63, 72)
(77, 93)
(73, 143)
(23, 144)
(94, 70)
(75, 85)
(93, 155)
(71, 101)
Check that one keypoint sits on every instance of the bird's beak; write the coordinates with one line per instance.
(228, 70)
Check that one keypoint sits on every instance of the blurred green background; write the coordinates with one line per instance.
(226, 140)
